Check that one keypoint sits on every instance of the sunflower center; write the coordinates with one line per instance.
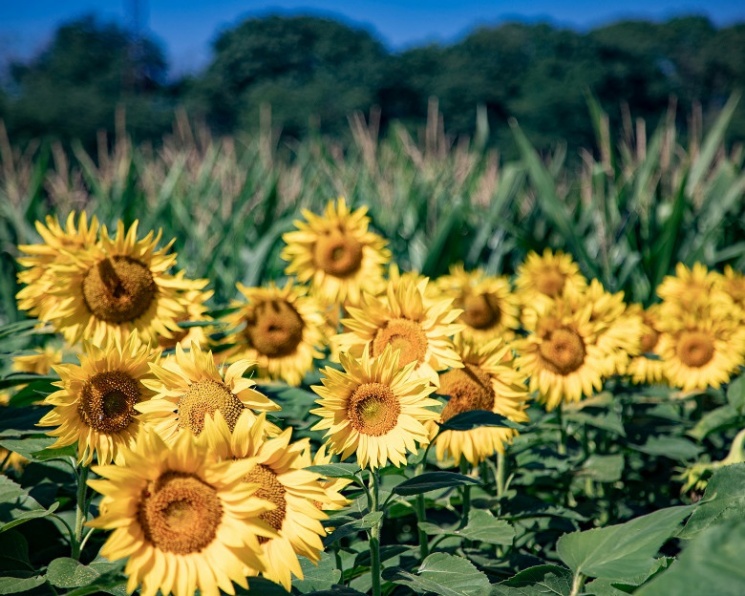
(563, 351)
(373, 409)
(469, 389)
(404, 335)
(550, 282)
(271, 490)
(107, 401)
(118, 289)
(338, 254)
(206, 397)
(274, 328)
(695, 348)
(481, 311)
(179, 513)
(649, 341)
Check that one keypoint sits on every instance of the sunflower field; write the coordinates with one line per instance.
(402, 366)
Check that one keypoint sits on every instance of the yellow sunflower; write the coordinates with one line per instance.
(552, 275)
(57, 245)
(336, 252)
(647, 367)
(702, 352)
(95, 406)
(183, 520)
(283, 481)
(490, 309)
(332, 486)
(189, 385)
(488, 381)
(561, 354)
(281, 329)
(732, 283)
(406, 320)
(690, 291)
(375, 408)
(118, 286)
(40, 362)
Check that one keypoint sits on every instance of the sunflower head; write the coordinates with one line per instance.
(336, 252)
(552, 275)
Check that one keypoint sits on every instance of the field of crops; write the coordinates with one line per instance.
(401, 366)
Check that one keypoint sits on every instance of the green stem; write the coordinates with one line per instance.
(81, 512)
(501, 474)
(577, 584)
(421, 517)
(374, 535)
(466, 492)
(562, 431)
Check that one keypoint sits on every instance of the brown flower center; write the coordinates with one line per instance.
(338, 253)
(206, 397)
(118, 289)
(649, 340)
(274, 328)
(481, 311)
(550, 281)
(695, 348)
(373, 409)
(107, 401)
(469, 389)
(562, 351)
(271, 490)
(179, 513)
(404, 335)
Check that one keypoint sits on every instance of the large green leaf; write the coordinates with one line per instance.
(447, 575)
(711, 563)
(723, 501)
(623, 551)
(540, 580)
(69, 573)
(431, 481)
(321, 576)
(13, 585)
(482, 526)
(475, 418)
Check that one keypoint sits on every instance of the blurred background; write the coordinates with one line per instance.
(67, 68)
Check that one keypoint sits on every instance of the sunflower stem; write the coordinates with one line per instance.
(562, 431)
(81, 512)
(374, 535)
(501, 474)
(421, 517)
(466, 494)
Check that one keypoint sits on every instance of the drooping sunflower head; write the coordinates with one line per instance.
(282, 329)
(189, 387)
(59, 246)
(336, 252)
(420, 329)
(282, 481)
(376, 408)
(561, 355)
(117, 286)
(490, 309)
(95, 406)
(488, 381)
(702, 353)
(183, 519)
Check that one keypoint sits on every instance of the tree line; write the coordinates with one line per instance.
(314, 72)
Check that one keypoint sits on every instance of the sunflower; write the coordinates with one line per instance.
(552, 275)
(189, 385)
(376, 408)
(490, 309)
(40, 362)
(118, 286)
(332, 486)
(647, 367)
(702, 352)
(59, 246)
(336, 253)
(283, 481)
(690, 291)
(282, 330)
(408, 321)
(182, 519)
(732, 283)
(95, 406)
(488, 381)
(561, 354)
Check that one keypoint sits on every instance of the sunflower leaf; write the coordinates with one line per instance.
(69, 573)
(431, 481)
(446, 575)
(335, 470)
(723, 501)
(476, 418)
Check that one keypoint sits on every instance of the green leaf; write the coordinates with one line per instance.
(722, 503)
(260, 585)
(710, 564)
(335, 470)
(537, 581)
(28, 446)
(15, 328)
(447, 575)
(476, 418)
(431, 481)
(623, 551)
(13, 585)
(603, 468)
(482, 526)
(18, 422)
(14, 554)
(736, 394)
(716, 420)
(31, 394)
(371, 520)
(15, 379)
(317, 577)
(676, 448)
(69, 573)
(17, 506)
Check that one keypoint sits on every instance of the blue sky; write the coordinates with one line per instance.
(186, 27)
